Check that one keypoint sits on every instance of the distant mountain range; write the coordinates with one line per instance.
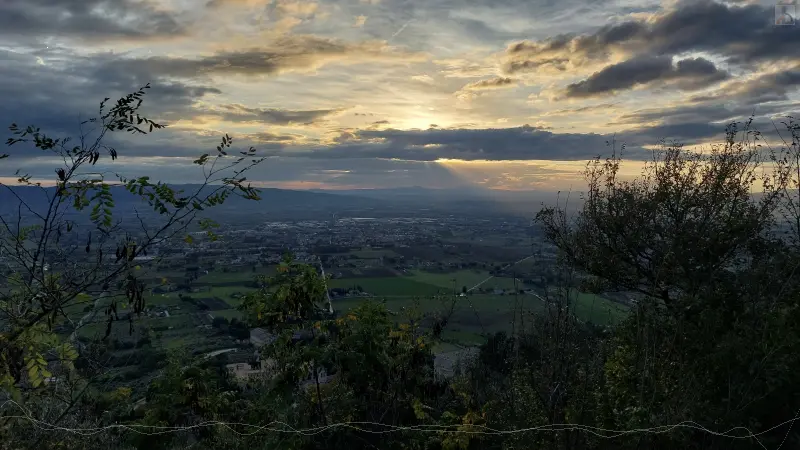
(523, 203)
(428, 194)
(284, 204)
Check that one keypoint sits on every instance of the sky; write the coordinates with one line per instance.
(349, 94)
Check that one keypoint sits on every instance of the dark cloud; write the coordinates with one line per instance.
(582, 109)
(766, 87)
(687, 133)
(680, 114)
(696, 123)
(57, 94)
(266, 137)
(86, 20)
(274, 116)
(688, 74)
(491, 83)
(521, 143)
(742, 34)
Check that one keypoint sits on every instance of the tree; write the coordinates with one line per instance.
(70, 251)
(383, 371)
(219, 322)
(188, 393)
(718, 311)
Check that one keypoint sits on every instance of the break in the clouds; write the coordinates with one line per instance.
(507, 94)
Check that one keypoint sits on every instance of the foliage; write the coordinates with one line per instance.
(717, 318)
(66, 260)
(187, 394)
(362, 367)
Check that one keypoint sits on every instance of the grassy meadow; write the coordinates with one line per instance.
(473, 316)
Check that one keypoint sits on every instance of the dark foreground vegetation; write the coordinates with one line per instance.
(708, 357)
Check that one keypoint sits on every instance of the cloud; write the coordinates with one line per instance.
(687, 133)
(215, 4)
(741, 34)
(295, 8)
(474, 90)
(290, 53)
(275, 116)
(688, 74)
(490, 144)
(427, 79)
(464, 68)
(492, 83)
(765, 87)
(278, 9)
(553, 54)
(582, 109)
(58, 95)
(88, 21)
(360, 21)
(696, 123)
(266, 137)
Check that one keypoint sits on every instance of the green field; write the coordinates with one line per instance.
(597, 309)
(388, 286)
(223, 277)
(228, 314)
(226, 293)
(473, 316)
(468, 278)
(166, 299)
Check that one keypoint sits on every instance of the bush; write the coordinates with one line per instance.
(219, 322)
